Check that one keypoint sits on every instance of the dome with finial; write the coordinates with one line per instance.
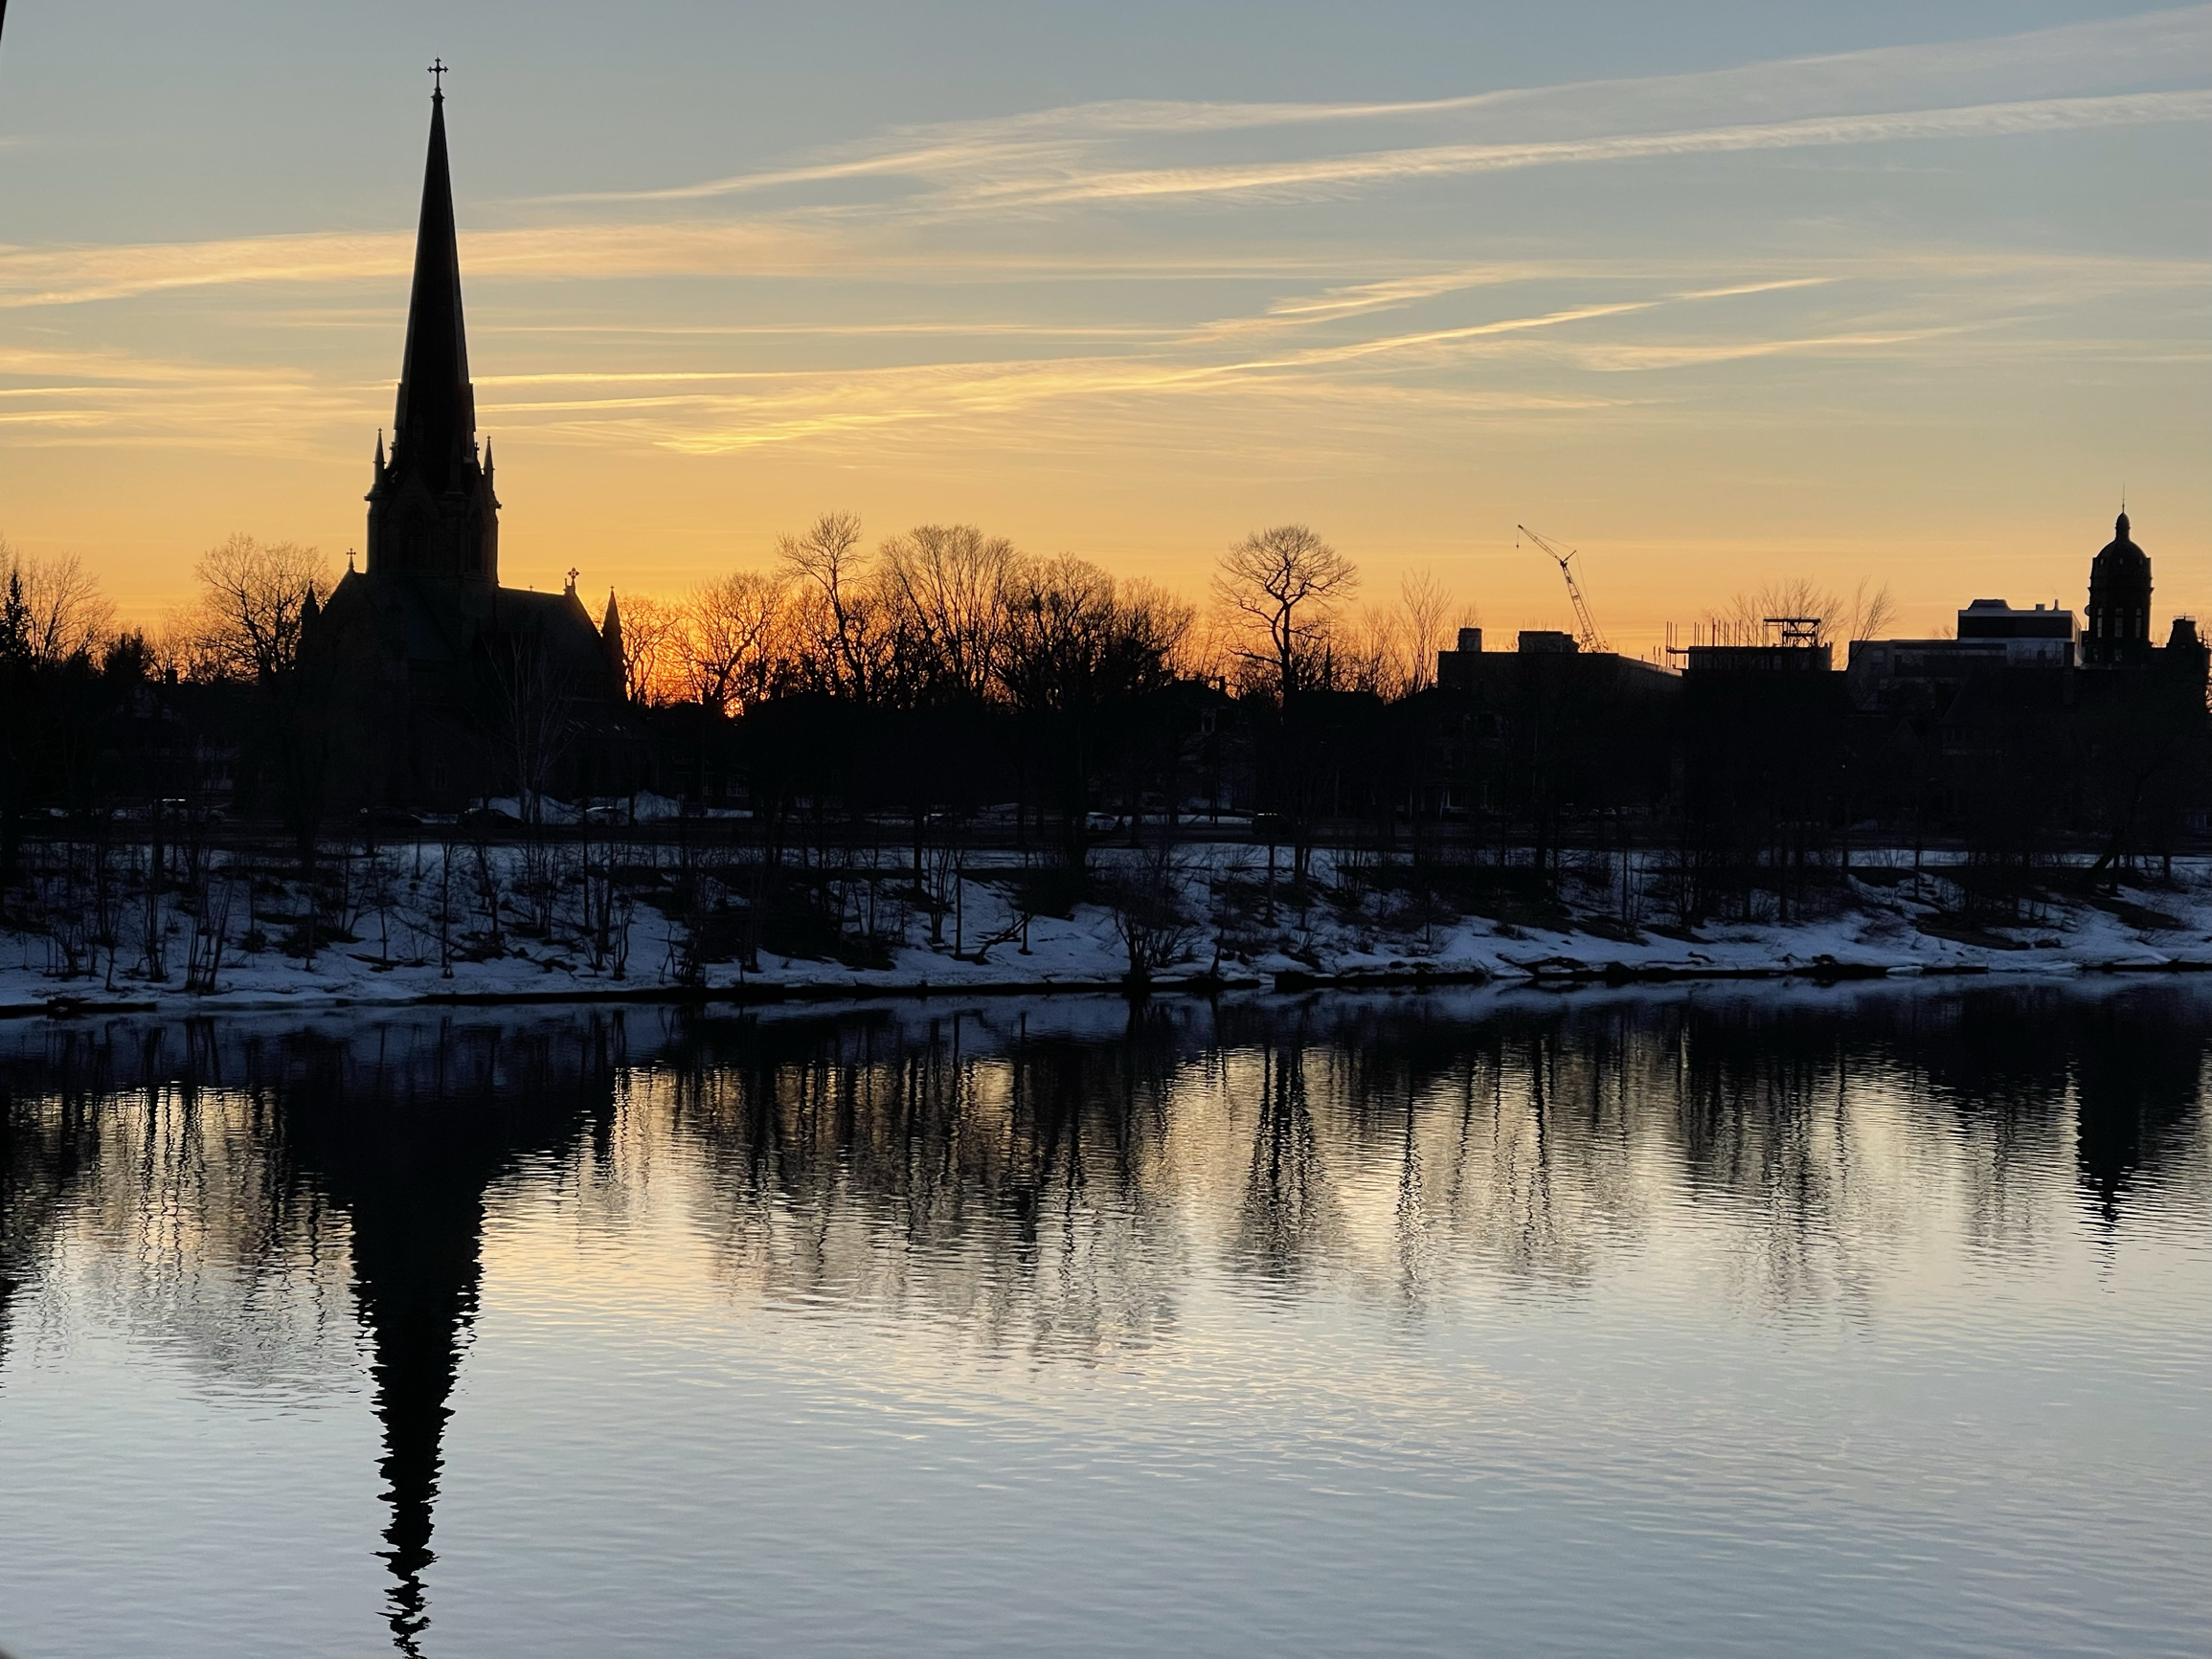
(2121, 550)
(2118, 628)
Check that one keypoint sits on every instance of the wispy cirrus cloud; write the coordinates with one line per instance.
(1313, 351)
(77, 275)
(2110, 71)
(61, 395)
(1620, 357)
(696, 412)
(1283, 179)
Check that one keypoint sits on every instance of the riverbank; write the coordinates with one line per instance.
(1204, 925)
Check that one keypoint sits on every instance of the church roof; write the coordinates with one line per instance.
(435, 428)
(438, 626)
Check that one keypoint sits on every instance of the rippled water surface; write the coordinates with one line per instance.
(1831, 1321)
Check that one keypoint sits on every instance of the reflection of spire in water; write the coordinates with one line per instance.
(416, 1270)
(406, 1134)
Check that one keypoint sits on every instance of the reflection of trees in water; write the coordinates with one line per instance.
(1771, 1133)
(183, 1219)
(1451, 1147)
(1288, 1214)
(1013, 1190)
(1051, 1194)
(48, 1140)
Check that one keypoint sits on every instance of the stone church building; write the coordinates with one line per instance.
(439, 685)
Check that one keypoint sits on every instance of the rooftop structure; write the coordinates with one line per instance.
(1772, 645)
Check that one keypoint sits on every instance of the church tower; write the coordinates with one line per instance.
(2119, 618)
(431, 506)
(418, 655)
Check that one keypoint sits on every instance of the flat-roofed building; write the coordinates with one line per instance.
(2042, 638)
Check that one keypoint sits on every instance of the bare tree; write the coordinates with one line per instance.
(654, 650)
(947, 585)
(50, 609)
(732, 645)
(1155, 630)
(1369, 654)
(1286, 582)
(1149, 899)
(1869, 613)
(825, 559)
(1863, 617)
(255, 605)
(1074, 637)
(180, 645)
(1423, 602)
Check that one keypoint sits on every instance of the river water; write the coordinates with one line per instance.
(1846, 1320)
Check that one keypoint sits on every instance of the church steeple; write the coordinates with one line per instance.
(611, 642)
(431, 509)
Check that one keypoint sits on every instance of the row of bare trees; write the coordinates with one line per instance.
(946, 614)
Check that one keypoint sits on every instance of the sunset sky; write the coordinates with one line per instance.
(1715, 292)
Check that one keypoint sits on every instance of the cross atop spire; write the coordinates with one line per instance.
(438, 72)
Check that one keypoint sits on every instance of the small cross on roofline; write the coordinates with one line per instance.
(438, 72)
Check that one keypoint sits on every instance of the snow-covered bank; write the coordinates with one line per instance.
(498, 927)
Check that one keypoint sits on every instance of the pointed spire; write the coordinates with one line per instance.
(611, 642)
(379, 449)
(436, 425)
(432, 509)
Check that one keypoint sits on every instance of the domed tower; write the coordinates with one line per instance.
(2119, 620)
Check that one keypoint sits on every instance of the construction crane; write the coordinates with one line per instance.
(1586, 633)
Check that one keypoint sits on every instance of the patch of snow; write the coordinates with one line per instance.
(1886, 926)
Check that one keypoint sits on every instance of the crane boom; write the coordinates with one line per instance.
(1586, 633)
